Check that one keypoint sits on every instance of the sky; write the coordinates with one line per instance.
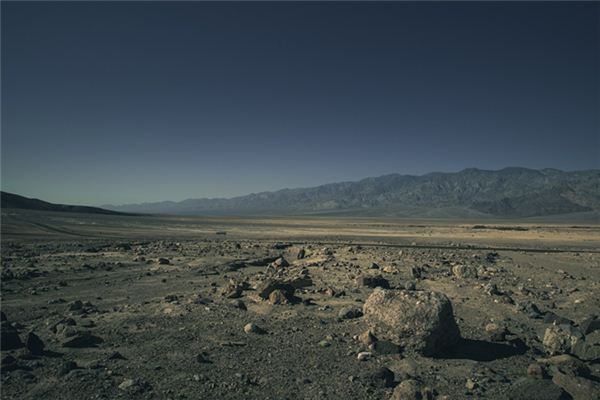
(114, 103)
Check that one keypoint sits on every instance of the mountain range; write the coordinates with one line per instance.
(507, 193)
(11, 200)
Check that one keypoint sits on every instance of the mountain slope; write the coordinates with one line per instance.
(510, 192)
(10, 200)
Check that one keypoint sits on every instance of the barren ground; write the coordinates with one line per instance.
(179, 337)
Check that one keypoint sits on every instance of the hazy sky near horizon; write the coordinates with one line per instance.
(106, 102)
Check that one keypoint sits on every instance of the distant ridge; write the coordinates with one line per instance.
(507, 193)
(10, 200)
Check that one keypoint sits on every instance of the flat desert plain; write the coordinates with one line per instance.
(165, 307)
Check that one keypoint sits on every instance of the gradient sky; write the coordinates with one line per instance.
(106, 102)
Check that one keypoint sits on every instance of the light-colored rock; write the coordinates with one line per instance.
(560, 339)
(419, 321)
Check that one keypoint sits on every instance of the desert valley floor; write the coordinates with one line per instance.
(105, 307)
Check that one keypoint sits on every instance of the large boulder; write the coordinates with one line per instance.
(420, 321)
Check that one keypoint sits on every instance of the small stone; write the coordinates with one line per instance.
(301, 254)
(324, 343)
(470, 384)
(163, 261)
(126, 384)
(237, 303)
(536, 371)
(67, 367)
(367, 338)
(350, 313)
(253, 328)
(278, 296)
(363, 356)
(491, 289)
(464, 271)
(495, 332)
(410, 389)
(382, 377)
(372, 281)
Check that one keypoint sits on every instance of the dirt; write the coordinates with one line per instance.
(179, 337)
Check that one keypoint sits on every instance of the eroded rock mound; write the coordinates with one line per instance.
(420, 321)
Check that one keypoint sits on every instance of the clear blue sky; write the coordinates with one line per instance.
(116, 103)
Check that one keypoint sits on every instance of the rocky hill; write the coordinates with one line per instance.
(510, 192)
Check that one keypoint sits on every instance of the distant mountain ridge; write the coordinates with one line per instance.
(10, 200)
(509, 192)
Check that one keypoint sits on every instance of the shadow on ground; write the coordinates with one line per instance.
(480, 350)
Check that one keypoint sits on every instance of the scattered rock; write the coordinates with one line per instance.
(559, 339)
(278, 296)
(163, 261)
(82, 339)
(363, 356)
(265, 288)
(237, 303)
(410, 389)
(464, 271)
(372, 281)
(536, 371)
(350, 313)
(382, 377)
(253, 328)
(470, 384)
(419, 321)
(34, 344)
(590, 324)
(579, 388)
(534, 389)
(301, 254)
(495, 332)
(67, 367)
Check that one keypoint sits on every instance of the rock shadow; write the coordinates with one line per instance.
(480, 350)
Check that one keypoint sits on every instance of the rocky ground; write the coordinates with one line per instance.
(216, 316)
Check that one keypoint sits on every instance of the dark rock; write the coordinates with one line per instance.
(265, 288)
(9, 337)
(579, 388)
(2, 316)
(238, 304)
(163, 261)
(281, 246)
(589, 348)
(34, 344)
(82, 339)
(590, 324)
(301, 254)
(372, 281)
(535, 389)
(551, 318)
(382, 377)
(115, 355)
(350, 313)
(411, 389)
(67, 367)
